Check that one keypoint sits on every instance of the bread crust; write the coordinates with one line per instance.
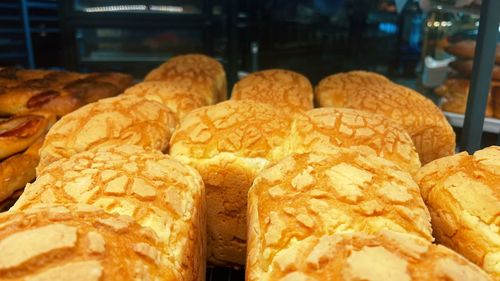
(463, 196)
(281, 88)
(367, 132)
(465, 50)
(154, 190)
(431, 133)
(385, 255)
(198, 72)
(177, 98)
(79, 243)
(455, 93)
(123, 120)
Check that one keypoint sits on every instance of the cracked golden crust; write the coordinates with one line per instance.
(328, 192)
(123, 119)
(61, 243)
(463, 196)
(229, 143)
(385, 255)
(156, 191)
(364, 131)
(177, 98)
(425, 123)
(201, 73)
(280, 88)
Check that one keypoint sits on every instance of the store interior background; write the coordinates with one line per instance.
(313, 37)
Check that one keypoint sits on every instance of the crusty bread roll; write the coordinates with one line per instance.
(126, 120)
(386, 255)
(333, 90)
(176, 97)
(148, 186)
(463, 196)
(18, 170)
(455, 93)
(420, 117)
(79, 243)
(198, 72)
(20, 131)
(229, 143)
(356, 129)
(495, 100)
(283, 89)
(29, 74)
(465, 49)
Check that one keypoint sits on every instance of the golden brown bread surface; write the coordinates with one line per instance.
(464, 67)
(20, 131)
(455, 93)
(495, 100)
(157, 192)
(463, 196)
(229, 143)
(123, 119)
(198, 72)
(18, 170)
(425, 123)
(177, 98)
(364, 131)
(81, 244)
(281, 88)
(383, 256)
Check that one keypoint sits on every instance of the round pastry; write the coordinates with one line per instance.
(20, 131)
(120, 80)
(371, 133)
(29, 74)
(79, 243)
(383, 256)
(198, 72)
(420, 117)
(283, 89)
(463, 196)
(455, 93)
(123, 120)
(148, 186)
(178, 99)
(464, 67)
(465, 49)
(229, 143)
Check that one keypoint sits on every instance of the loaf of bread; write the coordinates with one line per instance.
(20, 131)
(386, 255)
(464, 67)
(463, 196)
(79, 243)
(333, 90)
(349, 128)
(465, 49)
(198, 72)
(176, 97)
(282, 89)
(123, 120)
(157, 192)
(19, 169)
(229, 143)
(420, 117)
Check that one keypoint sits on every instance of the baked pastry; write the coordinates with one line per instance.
(198, 72)
(331, 90)
(465, 49)
(79, 243)
(178, 99)
(495, 100)
(386, 255)
(349, 128)
(123, 120)
(229, 144)
(455, 93)
(420, 117)
(157, 192)
(19, 169)
(120, 80)
(464, 67)
(9, 201)
(281, 88)
(463, 196)
(20, 131)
